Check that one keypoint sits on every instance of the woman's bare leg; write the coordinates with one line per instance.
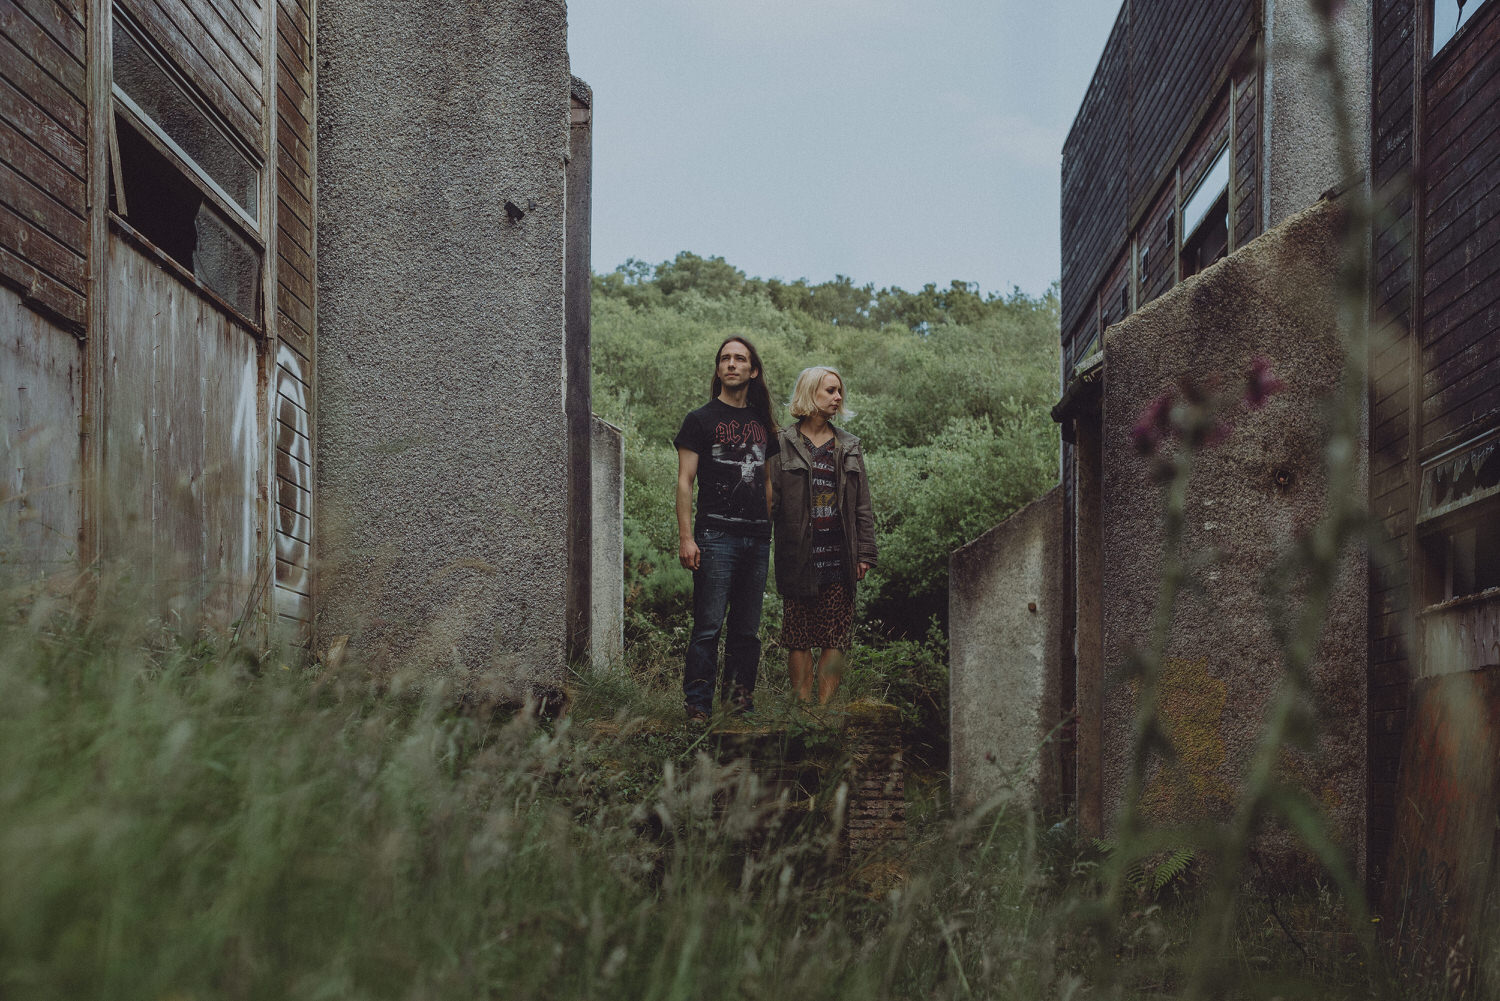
(830, 673)
(800, 667)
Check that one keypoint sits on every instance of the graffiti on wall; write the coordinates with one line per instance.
(294, 486)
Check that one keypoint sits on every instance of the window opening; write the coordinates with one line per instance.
(1447, 17)
(144, 85)
(1205, 218)
(167, 208)
(1467, 557)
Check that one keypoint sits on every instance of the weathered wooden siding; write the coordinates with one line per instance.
(1157, 267)
(295, 249)
(43, 173)
(216, 44)
(1204, 150)
(41, 404)
(184, 463)
(1159, 94)
(1094, 194)
(1391, 159)
(1461, 235)
(1245, 221)
(1181, 56)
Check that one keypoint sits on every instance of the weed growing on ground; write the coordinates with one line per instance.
(188, 820)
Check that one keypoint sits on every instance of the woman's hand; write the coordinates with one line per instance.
(863, 569)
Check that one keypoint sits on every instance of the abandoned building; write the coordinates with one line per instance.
(1203, 202)
(295, 313)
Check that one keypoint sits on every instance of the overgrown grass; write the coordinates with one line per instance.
(192, 821)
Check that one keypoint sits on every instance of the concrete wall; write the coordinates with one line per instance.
(1005, 646)
(607, 644)
(443, 134)
(1251, 496)
(1300, 135)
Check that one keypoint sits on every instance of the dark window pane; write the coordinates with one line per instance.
(170, 211)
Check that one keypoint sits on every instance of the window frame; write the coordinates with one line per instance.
(1429, 17)
(249, 225)
(252, 229)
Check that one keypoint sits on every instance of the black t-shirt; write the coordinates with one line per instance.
(733, 444)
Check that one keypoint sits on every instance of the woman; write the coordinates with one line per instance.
(825, 533)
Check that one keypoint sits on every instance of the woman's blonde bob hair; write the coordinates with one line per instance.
(804, 393)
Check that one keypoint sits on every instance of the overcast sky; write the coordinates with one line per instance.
(898, 142)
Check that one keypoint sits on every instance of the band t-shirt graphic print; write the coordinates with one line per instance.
(733, 445)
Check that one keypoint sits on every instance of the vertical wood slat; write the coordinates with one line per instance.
(1391, 449)
(185, 454)
(293, 400)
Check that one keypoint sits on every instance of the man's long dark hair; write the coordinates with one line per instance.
(757, 394)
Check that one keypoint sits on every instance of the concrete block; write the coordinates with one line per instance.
(1005, 646)
(608, 620)
(443, 134)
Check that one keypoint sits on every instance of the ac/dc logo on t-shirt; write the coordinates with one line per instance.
(735, 433)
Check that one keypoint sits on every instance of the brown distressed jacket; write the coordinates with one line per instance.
(791, 510)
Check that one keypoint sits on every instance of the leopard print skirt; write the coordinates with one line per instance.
(825, 622)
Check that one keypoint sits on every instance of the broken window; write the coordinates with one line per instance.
(1459, 514)
(181, 181)
(1205, 218)
(1447, 17)
(1465, 558)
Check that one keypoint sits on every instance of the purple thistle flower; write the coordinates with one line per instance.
(1260, 384)
(1153, 424)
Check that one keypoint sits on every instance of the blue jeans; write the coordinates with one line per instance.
(731, 576)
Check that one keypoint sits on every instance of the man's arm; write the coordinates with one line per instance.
(687, 471)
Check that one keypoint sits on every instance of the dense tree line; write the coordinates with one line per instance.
(951, 390)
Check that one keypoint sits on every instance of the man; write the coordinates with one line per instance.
(724, 445)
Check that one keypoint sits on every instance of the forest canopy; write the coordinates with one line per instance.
(951, 390)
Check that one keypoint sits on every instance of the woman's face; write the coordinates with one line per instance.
(830, 396)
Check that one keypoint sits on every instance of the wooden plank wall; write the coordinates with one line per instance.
(1094, 196)
(1391, 494)
(41, 470)
(1164, 61)
(43, 163)
(1246, 222)
(1437, 125)
(1200, 156)
(216, 44)
(1180, 55)
(185, 459)
(1461, 235)
(296, 276)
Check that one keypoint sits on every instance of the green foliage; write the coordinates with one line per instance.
(951, 390)
(1149, 876)
(180, 822)
(190, 821)
(912, 675)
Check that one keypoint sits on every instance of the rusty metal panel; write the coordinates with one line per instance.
(41, 372)
(1442, 879)
(184, 458)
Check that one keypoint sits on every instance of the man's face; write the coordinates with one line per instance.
(734, 365)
